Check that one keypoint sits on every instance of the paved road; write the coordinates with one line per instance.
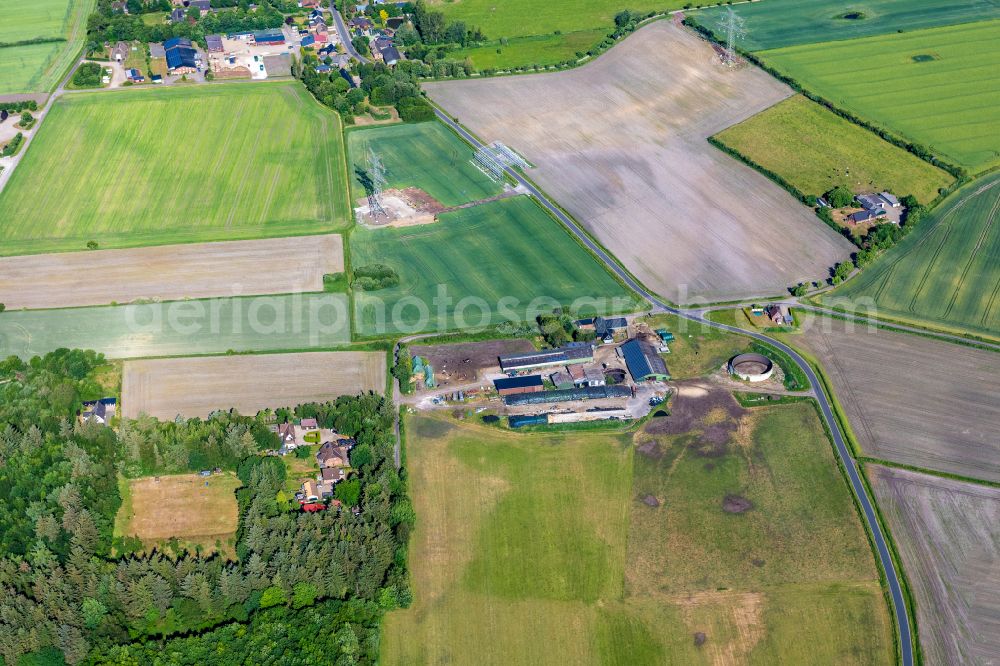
(345, 34)
(843, 452)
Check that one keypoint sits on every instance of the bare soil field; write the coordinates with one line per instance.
(948, 536)
(195, 387)
(911, 399)
(171, 272)
(188, 507)
(622, 144)
(462, 362)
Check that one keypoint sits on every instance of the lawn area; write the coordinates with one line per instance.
(815, 150)
(946, 274)
(38, 67)
(194, 510)
(938, 87)
(158, 166)
(777, 23)
(696, 349)
(567, 26)
(424, 155)
(525, 551)
(531, 50)
(182, 328)
(495, 260)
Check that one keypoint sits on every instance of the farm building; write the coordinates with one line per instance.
(562, 379)
(134, 75)
(389, 54)
(877, 201)
(643, 361)
(515, 385)
(214, 43)
(270, 37)
(307, 40)
(569, 395)
(575, 352)
(181, 56)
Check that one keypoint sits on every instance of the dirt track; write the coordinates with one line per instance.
(194, 387)
(621, 143)
(948, 535)
(911, 399)
(170, 272)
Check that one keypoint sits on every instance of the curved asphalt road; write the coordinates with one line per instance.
(853, 475)
(345, 34)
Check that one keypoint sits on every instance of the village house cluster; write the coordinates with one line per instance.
(332, 458)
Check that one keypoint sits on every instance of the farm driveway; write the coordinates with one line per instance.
(171, 272)
(622, 144)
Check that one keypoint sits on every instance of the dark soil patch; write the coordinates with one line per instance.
(709, 467)
(651, 449)
(456, 363)
(924, 57)
(853, 16)
(704, 448)
(736, 504)
(687, 413)
(431, 428)
(649, 500)
(699, 638)
(757, 562)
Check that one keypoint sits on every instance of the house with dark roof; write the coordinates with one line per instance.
(202, 5)
(643, 361)
(779, 314)
(866, 216)
(606, 328)
(390, 55)
(335, 454)
(512, 385)
(177, 15)
(270, 37)
(99, 411)
(214, 43)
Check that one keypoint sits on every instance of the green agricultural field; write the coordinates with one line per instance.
(428, 156)
(528, 550)
(778, 23)
(540, 32)
(814, 150)
(938, 87)
(182, 328)
(38, 67)
(493, 258)
(169, 165)
(946, 274)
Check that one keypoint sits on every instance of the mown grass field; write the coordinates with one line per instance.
(193, 509)
(697, 349)
(525, 552)
(565, 26)
(815, 150)
(158, 166)
(424, 155)
(938, 87)
(777, 23)
(38, 67)
(182, 328)
(946, 273)
(508, 249)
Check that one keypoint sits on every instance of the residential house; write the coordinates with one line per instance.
(285, 432)
(361, 26)
(214, 43)
(309, 424)
(779, 314)
(389, 55)
(395, 23)
(99, 411)
(513, 385)
(310, 492)
(177, 15)
(306, 4)
(335, 455)
(863, 216)
(323, 69)
(120, 52)
(605, 329)
(332, 475)
(643, 361)
(202, 5)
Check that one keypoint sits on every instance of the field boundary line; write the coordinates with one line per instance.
(929, 472)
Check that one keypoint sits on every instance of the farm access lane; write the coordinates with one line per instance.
(843, 452)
